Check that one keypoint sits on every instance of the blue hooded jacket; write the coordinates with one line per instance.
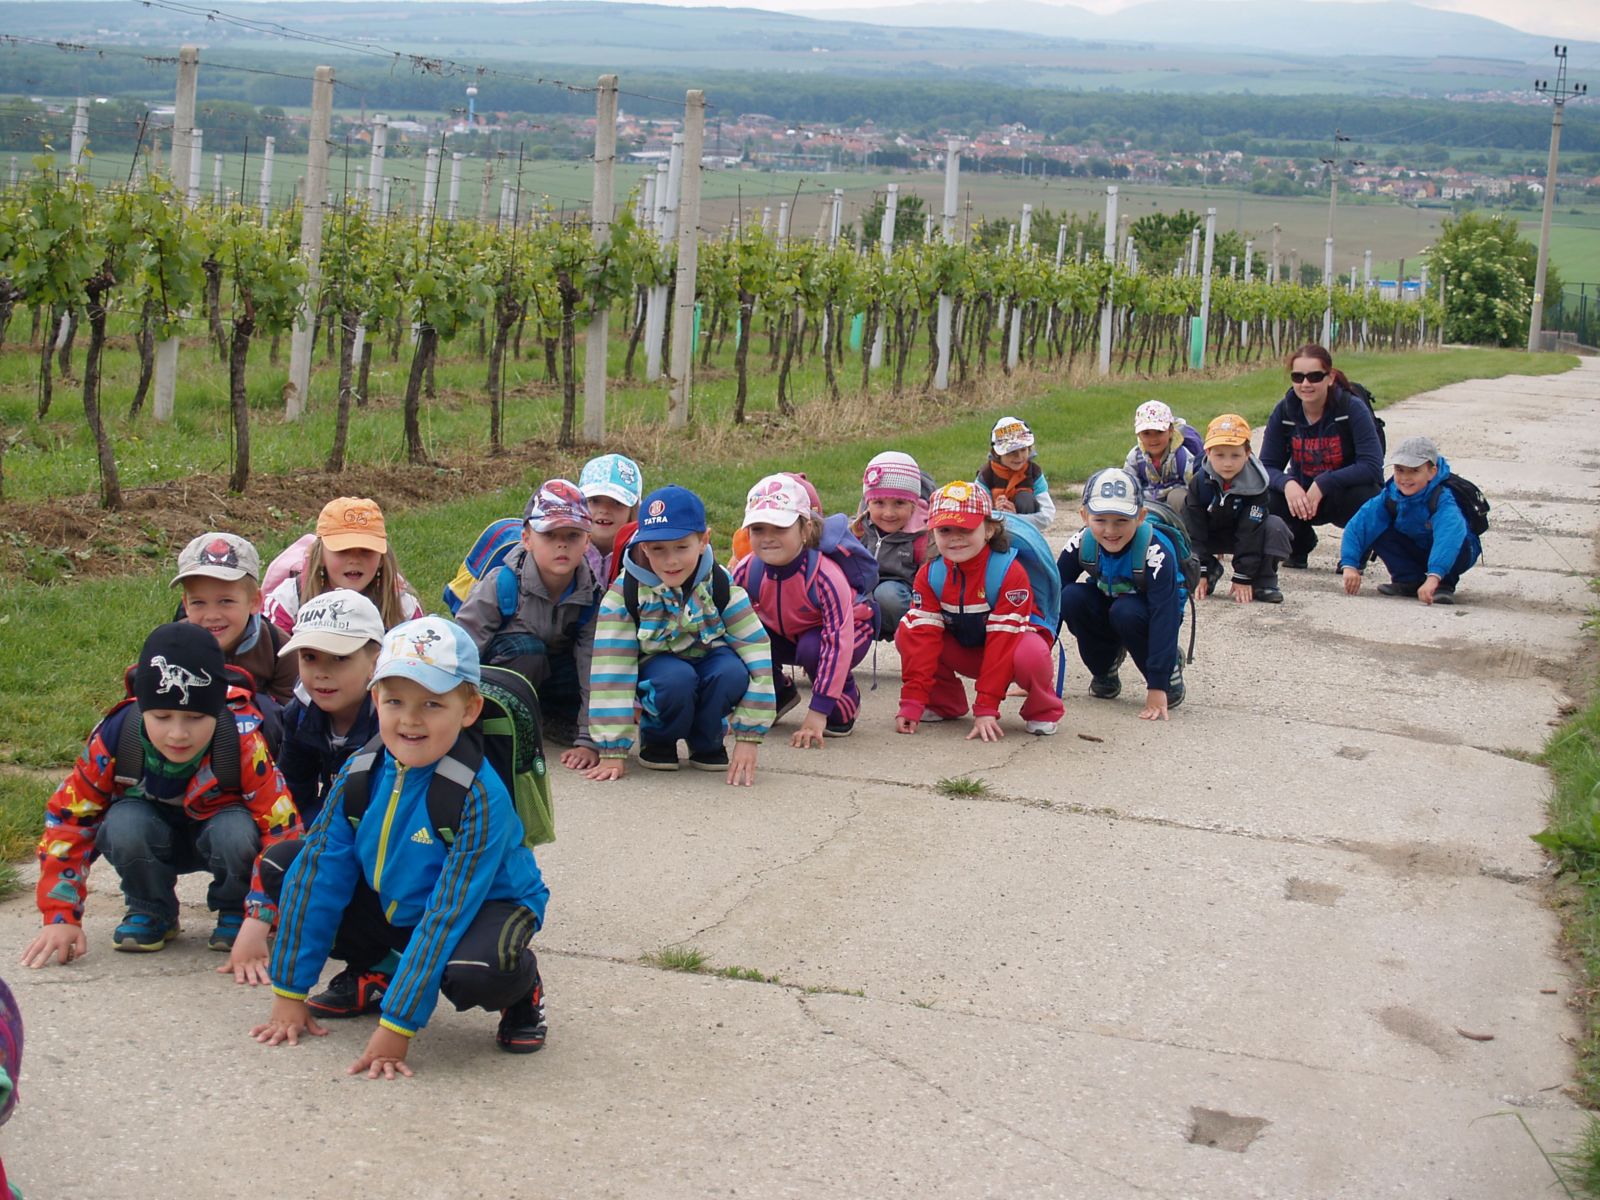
(1441, 533)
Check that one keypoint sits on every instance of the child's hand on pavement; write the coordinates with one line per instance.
(247, 961)
(1242, 593)
(607, 770)
(742, 766)
(1202, 589)
(384, 1056)
(1430, 585)
(904, 725)
(580, 758)
(1352, 581)
(810, 731)
(286, 1021)
(1155, 706)
(986, 729)
(56, 941)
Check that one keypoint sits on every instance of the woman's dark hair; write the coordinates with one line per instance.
(1320, 353)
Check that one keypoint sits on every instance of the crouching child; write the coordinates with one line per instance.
(177, 779)
(383, 877)
(1416, 526)
(1227, 511)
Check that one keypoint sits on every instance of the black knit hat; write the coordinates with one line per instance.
(181, 667)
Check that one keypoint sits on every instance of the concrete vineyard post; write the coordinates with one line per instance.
(80, 132)
(297, 391)
(891, 202)
(682, 366)
(952, 184)
(1110, 252)
(216, 180)
(430, 180)
(166, 366)
(1366, 287)
(1014, 349)
(1205, 286)
(380, 139)
(192, 186)
(605, 156)
(666, 229)
(1327, 279)
(265, 198)
(454, 203)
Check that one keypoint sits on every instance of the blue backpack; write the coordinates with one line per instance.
(487, 553)
(1030, 549)
(845, 549)
(1158, 516)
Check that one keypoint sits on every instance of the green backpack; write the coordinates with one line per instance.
(508, 734)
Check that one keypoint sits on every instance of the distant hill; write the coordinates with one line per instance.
(1393, 28)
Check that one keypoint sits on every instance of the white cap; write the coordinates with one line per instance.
(776, 500)
(1010, 433)
(1113, 492)
(1152, 414)
(338, 622)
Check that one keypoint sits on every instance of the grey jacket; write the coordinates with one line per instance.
(896, 552)
(564, 626)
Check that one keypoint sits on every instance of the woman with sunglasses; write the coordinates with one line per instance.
(1321, 450)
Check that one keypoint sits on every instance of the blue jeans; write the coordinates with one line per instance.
(1407, 560)
(894, 601)
(151, 844)
(690, 698)
(554, 676)
(1105, 625)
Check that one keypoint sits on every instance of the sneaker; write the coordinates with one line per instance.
(522, 1026)
(840, 729)
(1175, 687)
(142, 933)
(1109, 685)
(788, 696)
(929, 717)
(1042, 728)
(658, 756)
(1398, 589)
(1213, 577)
(228, 926)
(1444, 595)
(1298, 562)
(715, 759)
(350, 993)
(1266, 594)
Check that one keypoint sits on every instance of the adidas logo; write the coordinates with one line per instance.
(422, 837)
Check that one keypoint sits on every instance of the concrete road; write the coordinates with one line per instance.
(1237, 955)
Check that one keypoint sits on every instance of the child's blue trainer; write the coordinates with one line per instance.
(227, 930)
(143, 933)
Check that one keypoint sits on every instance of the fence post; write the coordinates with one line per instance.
(380, 139)
(1110, 251)
(952, 182)
(455, 185)
(80, 131)
(297, 391)
(1205, 286)
(166, 366)
(595, 345)
(891, 203)
(265, 200)
(655, 322)
(682, 366)
(1014, 349)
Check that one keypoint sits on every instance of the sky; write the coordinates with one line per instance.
(1557, 18)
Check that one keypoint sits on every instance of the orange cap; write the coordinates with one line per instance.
(1230, 429)
(352, 523)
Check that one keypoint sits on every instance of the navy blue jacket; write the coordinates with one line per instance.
(1294, 448)
(307, 756)
(1163, 594)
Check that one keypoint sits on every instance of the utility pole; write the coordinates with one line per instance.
(1327, 254)
(1560, 93)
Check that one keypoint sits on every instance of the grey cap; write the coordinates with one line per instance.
(1413, 452)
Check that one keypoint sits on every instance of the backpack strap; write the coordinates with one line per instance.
(995, 573)
(1089, 553)
(358, 780)
(127, 763)
(453, 777)
(1140, 549)
(505, 591)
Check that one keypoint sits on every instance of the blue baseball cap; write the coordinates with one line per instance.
(612, 475)
(670, 513)
(431, 651)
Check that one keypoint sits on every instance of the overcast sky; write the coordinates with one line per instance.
(1557, 18)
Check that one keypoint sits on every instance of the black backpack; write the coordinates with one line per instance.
(224, 751)
(1474, 505)
(1348, 438)
(507, 734)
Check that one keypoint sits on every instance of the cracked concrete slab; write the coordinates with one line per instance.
(1288, 906)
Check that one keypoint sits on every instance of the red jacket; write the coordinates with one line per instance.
(964, 613)
(72, 816)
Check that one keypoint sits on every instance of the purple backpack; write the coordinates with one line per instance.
(10, 1051)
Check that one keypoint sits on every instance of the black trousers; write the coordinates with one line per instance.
(492, 966)
(1337, 507)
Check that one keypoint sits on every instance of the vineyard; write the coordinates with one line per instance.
(140, 266)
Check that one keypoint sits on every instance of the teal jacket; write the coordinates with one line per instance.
(423, 885)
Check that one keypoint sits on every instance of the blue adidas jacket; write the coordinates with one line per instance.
(1163, 592)
(419, 882)
(1440, 533)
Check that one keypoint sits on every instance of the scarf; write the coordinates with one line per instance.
(1013, 481)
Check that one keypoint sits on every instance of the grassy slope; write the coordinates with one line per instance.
(79, 635)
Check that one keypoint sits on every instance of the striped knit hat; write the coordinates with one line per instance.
(892, 476)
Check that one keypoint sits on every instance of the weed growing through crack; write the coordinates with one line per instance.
(961, 785)
(677, 958)
(749, 974)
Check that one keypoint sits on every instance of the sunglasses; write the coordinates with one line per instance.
(1307, 376)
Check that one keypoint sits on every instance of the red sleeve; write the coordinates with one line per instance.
(618, 549)
(919, 640)
(71, 817)
(269, 802)
(1008, 620)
